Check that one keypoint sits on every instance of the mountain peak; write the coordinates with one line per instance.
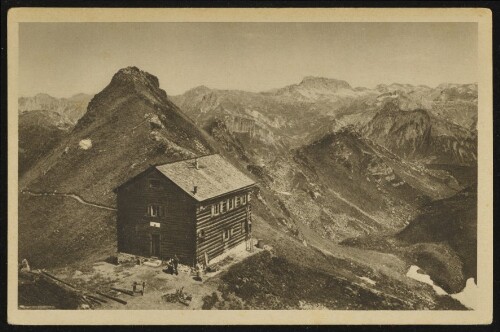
(132, 80)
(134, 75)
(127, 84)
(315, 80)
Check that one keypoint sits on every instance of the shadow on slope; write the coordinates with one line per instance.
(442, 240)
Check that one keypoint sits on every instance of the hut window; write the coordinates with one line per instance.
(223, 206)
(231, 203)
(154, 183)
(237, 201)
(201, 235)
(226, 235)
(215, 209)
(243, 199)
(154, 210)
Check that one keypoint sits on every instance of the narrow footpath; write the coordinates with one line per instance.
(74, 196)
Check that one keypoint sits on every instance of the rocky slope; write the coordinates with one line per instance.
(418, 135)
(343, 161)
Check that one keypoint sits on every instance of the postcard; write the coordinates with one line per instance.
(250, 166)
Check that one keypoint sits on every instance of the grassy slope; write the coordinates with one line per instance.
(59, 231)
(38, 134)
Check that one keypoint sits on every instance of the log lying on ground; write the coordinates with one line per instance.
(98, 299)
(124, 291)
(90, 299)
(81, 295)
(112, 298)
(57, 279)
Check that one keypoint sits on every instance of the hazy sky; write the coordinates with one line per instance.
(63, 59)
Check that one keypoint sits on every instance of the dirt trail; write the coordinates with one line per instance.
(74, 196)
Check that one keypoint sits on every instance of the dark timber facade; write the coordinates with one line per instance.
(190, 208)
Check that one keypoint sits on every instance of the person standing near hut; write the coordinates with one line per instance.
(134, 286)
(176, 264)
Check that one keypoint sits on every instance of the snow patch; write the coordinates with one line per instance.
(85, 144)
(414, 274)
(468, 296)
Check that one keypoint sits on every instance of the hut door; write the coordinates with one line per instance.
(155, 245)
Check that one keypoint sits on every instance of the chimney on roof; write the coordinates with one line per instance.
(195, 190)
(196, 163)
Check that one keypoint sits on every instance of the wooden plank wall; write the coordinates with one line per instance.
(177, 229)
(213, 243)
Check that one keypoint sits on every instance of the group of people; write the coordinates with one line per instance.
(172, 265)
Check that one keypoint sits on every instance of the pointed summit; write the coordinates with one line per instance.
(134, 79)
(127, 84)
(133, 75)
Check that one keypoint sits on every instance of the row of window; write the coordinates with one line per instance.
(229, 204)
(156, 210)
(226, 233)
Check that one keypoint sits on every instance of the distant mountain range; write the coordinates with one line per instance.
(312, 108)
(333, 162)
(70, 109)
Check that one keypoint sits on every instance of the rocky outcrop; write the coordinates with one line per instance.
(238, 124)
(416, 135)
(406, 133)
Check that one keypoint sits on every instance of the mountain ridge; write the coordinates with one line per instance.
(129, 125)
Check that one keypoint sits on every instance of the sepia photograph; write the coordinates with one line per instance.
(296, 165)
